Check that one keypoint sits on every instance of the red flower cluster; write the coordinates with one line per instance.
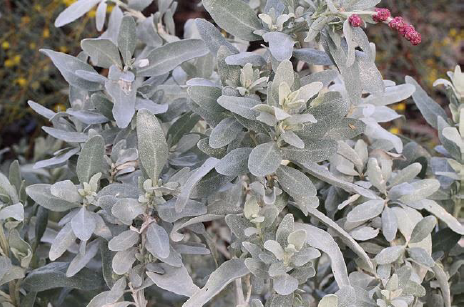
(406, 30)
(355, 20)
(382, 15)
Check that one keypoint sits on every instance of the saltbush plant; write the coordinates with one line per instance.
(244, 167)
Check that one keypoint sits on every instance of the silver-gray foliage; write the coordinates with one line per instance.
(197, 171)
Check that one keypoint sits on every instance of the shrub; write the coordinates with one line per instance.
(242, 170)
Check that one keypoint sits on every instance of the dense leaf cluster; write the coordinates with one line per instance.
(197, 171)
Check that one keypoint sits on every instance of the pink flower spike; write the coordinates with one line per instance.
(355, 20)
(416, 38)
(408, 31)
(397, 23)
(382, 15)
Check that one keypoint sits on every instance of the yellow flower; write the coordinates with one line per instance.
(446, 41)
(5, 45)
(430, 62)
(17, 59)
(38, 7)
(59, 107)
(9, 63)
(453, 32)
(63, 49)
(35, 85)
(68, 2)
(21, 81)
(46, 33)
(400, 107)
(92, 13)
(32, 46)
(109, 8)
(395, 130)
(25, 19)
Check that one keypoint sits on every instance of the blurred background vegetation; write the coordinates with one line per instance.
(25, 74)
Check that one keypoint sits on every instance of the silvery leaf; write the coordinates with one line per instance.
(325, 76)
(407, 174)
(366, 211)
(176, 280)
(206, 97)
(53, 276)
(148, 33)
(152, 146)
(164, 59)
(225, 132)
(389, 255)
(66, 190)
(239, 105)
(421, 256)
(330, 300)
(212, 37)
(284, 73)
(127, 38)
(312, 56)
(296, 184)
(151, 106)
(218, 280)
(361, 4)
(81, 260)
(342, 234)
(443, 215)
(280, 45)
(244, 58)
(285, 284)
(42, 195)
(389, 224)
(168, 213)
(423, 229)
(15, 211)
(123, 95)
(235, 17)
(123, 241)
(67, 136)
(83, 224)
(88, 117)
(324, 174)
(264, 159)
(371, 78)
(235, 163)
(63, 240)
(91, 159)
(323, 241)
(364, 233)
(429, 108)
(100, 15)
(230, 74)
(375, 175)
(123, 260)
(68, 65)
(102, 52)
(316, 151)
(127, 209)
(442, 279)
(75, 11)
(194, 178)
(292, 139)
(113, 25)
(421, 190)
(158, 240)
(39, 109)
(181, 126)
(275, 248)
